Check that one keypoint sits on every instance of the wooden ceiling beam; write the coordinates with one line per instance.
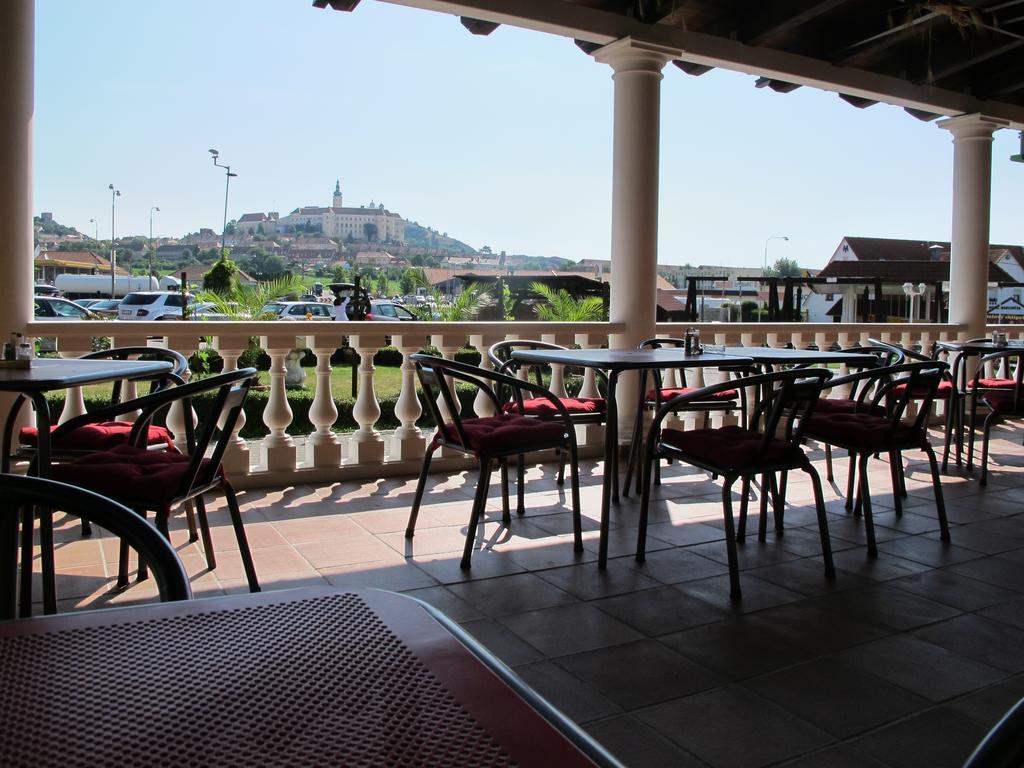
(964, 64)
(772, 29)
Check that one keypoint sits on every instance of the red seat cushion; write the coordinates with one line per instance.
(100, 436)
(842, 405)
(864, 432)
(128, 473)
(731, 448)
(1002, 402)
(541, 406)
(670, 392)
(992, 384)
(505, 434)
(944, 390)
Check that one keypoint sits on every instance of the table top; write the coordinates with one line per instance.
(783, 356)
(979, 347)
(294, 677)
(627, 359)
(49, 373)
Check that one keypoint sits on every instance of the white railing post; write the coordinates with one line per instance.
(482, 405)
(447, 345)
(323, 448)
(279, 452)
(408, 442)
(236, 456)
(175, 419)
(366, 443)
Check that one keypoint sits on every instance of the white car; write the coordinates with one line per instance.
(151, 305)
(299, 310)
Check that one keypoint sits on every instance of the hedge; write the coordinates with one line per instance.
(391, 357)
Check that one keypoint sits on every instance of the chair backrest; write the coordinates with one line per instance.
(17, 491)
(787, 401)
(899, 385)
(175, 376)
(663, 342)
(905, 354)
(500, 355)
(1009, 359)
(435, 373)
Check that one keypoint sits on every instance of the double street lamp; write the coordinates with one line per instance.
(764, 266)
(227, 185)
(154, 209)
(114, 194)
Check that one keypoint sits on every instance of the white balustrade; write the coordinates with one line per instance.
(279, 450)
(367, 444)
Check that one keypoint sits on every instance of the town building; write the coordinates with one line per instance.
(371, 224)
(49, 264)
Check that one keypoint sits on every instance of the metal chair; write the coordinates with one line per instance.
(493, 438)
(157, 481)
(768, 441)
(582, 409)
(866, 431)
(17, 492)
(1004, 402)
(1003, 746)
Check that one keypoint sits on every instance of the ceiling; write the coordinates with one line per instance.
(934, 58)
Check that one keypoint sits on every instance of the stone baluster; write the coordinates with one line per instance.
(323, 449)
(408, 442)
(175, 418)
(74, 402)
(589, 388)
(236, 456)
(482, 404)
(447, 345)
(367, 444)
(279, 451)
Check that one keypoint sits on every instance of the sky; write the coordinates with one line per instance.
(502, 141)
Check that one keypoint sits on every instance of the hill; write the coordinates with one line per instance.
(425, 237)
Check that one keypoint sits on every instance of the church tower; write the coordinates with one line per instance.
(337, 195)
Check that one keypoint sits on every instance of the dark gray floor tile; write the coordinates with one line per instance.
(638, 674)
(447, 602)
(818, 627)
(640, 746)
(807, 576)
(511, 649)
(988, 705)
(511, 594)
(733, 728)
(660, 611)
(999, 571)
(750, 553)
(672, 566)
(944, 586)
(1010, 612)
(839, 756)
(569, 629)
(883, 568)
(685, 533)
(757, 593)
(926, 550)
(737, 648)
(893, 608)
(926, 669)
(937, 738)
(577, 700)
(836, 697)
(590, 583)
(977, 638)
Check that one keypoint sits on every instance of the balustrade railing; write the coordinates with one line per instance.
(328, 455)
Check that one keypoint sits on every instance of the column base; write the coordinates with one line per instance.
(236, 460)
(367, 451)
(277, 457)
(325, 454)
(408, 448)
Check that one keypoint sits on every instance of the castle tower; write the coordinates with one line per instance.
(337, 195)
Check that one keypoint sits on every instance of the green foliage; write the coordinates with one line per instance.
(561, 306)
(223, 278)
(466, 306)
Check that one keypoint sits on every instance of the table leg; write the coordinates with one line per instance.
(609, 481)
(45, 515)
(9, 561)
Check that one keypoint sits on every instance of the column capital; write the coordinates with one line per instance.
(973, 126)
(629, 55)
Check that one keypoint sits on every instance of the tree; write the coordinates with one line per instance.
(787, 268)
(370, 230)
(273, 266)
(559, 305)
(409, 279)
(223, 278)
(466, 306)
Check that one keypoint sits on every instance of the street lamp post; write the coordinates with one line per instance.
(154, 209)
(114, 194)
(227, 185)
(96, 225)
(764, 266)
(912, 292)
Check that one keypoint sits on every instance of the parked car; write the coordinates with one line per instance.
(56, 308)
(299, 310)
(102, 307)
(384, 310)
(151, 305)
(42, 289)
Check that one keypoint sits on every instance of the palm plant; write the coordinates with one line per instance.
(559, 305)
(466, 306)
(247, 301)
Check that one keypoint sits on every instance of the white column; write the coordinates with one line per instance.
(635, 159)
(367, 444)
(408, 443)
(278, 446)
(972, 194)
(323, 448)
(17, 65)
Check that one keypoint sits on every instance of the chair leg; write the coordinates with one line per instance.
(190, 517)
(762, 520)
(865, 497)
(421, 485)
(46, 560)
(851, 480)
(204, 527)
(577, 519)
(240, 537)
(506, 514)
(741, 529)
(829, 475)
(86, 528)
(561, 468)
(897, 497)
(122, 566)
(632, 461)
(986, 431)
(940, 503)
(520, 486)
(479, 502)
(28, 521)
(819, 505)
(780, 502)
(730, 540)
(645, 500)
(970, 434)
